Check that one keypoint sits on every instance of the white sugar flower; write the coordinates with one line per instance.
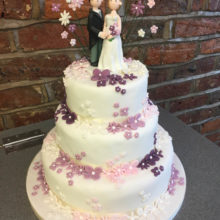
(73, 42)
(68, 1)
(65, 16)
(141, 33)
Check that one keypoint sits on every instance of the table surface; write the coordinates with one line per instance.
(200, 158)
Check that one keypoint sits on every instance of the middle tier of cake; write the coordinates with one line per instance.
(104, 141)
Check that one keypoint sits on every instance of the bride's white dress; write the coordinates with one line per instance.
(112, 55)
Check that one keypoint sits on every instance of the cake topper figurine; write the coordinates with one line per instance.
(95, 27)
(112, 55)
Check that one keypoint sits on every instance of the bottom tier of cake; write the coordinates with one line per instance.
(119, 189)
(47, 206)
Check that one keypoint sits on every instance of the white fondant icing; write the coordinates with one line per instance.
(101, 146)
(82, 90)
(122, 198)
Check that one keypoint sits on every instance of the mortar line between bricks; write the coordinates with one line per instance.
(71, 50)
(173, 40)
(185, 79)
(212, 132)
(199, 57)
(177, 16)
(24, 83)
(39, 52)
(216, 104)
(189, 95)
(198, 14)
(204, 121)
(48, 104)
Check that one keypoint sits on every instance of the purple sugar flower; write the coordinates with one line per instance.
(134, 122)
(112, 28)
(132, 76)
(72, 27)
(113, 127)
(80, 170)
(122, 81)
(138, 8)
(155, 171)
(100, 75)
(123, 91)
(115, 114)
(71, 118)
(55, 7)
(101, 83)
(87, 172)
(78, 157)
(128, 135)
(118, 77)
(70, 182)
(125, 125)
(53, 166)
(117, 89)
(136, 135)
(150, 159)
(83, 154)
(112, 82)
(95, 174)
(69, 174)
(124, 111)
(59, 170)
(143, 165)
(161, 168)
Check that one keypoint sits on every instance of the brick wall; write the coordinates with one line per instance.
(183, 59)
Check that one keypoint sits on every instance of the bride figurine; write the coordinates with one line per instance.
(112, 55)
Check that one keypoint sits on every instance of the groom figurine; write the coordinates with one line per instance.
(95, 29)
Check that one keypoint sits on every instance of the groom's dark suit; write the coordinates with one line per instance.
(95, 25)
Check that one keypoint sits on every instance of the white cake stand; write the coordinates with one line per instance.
(46, 207)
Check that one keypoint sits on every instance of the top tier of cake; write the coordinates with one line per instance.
(93, 93)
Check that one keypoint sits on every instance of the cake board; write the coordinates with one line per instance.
(46, 207)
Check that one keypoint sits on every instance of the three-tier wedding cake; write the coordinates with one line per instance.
(107, 158)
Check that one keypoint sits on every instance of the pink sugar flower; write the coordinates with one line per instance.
(134, 122)
(136, 135)
(76, 4)
(83, 154)
(116, 105)
(154, 29)
(115, 114)
(64, 35)
(151, 3)
(128, 135)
